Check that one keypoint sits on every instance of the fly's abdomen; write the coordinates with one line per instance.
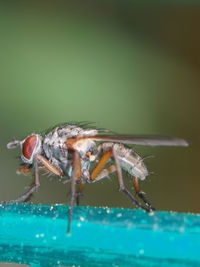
(129, 160)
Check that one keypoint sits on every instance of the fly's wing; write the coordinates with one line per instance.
(144, 140)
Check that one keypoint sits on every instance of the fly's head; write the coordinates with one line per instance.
(30, 147)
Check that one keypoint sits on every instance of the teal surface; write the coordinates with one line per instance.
(36, 235)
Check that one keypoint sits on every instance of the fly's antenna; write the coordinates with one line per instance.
(13, 144)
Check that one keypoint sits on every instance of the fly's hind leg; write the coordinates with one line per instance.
(122, 187)
(100, 172)
(141, 194)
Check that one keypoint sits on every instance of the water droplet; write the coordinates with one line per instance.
(82, 219)
(155, 226)
(181, 229)
(141, 251)
(151, 213)
(108, 210)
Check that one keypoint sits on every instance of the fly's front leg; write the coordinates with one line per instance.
(50, 167)
(26, 196)
(121, 182)
(24, 169)
(142, 194)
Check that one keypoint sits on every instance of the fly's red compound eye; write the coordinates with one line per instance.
(28, 146)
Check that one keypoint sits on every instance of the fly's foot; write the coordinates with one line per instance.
(141, 195)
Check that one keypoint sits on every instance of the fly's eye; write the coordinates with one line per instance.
(28, 146)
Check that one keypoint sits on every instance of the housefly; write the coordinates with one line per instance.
(69, 150)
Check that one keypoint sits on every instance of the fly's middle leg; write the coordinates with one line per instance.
(105, 172)
(76, 173)
(79, 192)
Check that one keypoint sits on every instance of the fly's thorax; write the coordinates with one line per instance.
(86, 148)
(30, 147)
(55, 141)
(54, 149)
(70, 131)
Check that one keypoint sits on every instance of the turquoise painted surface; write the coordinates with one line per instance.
(36, 235)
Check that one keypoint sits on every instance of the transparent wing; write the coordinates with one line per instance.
(144, 140)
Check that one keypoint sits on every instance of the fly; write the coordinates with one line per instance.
(68, 151)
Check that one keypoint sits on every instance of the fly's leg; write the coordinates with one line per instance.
(98, 171)
(26, 196)
(24, 169)
(78, 180)
(75, 176)
(122, 187)
(105, 172)
(35, 184)
(79, 192)
(50, 167)
(102, 174)
(100, 165)
(141, 194)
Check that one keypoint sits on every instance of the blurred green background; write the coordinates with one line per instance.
(129, 67)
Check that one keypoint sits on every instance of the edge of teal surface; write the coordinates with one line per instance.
(35, 234)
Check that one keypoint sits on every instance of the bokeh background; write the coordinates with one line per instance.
(128, 67)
